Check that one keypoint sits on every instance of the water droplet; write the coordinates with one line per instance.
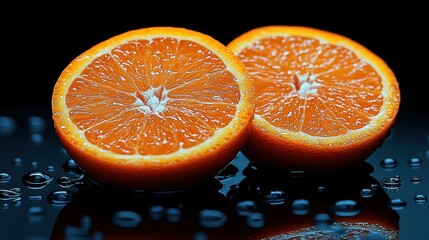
(156, 212)
(415, 162)
(228, 172)
(275, 197)
(211, 218)
(245, 207)
(300, 207)
(321, 188)
(35, 197)
(5, 177)
(10, 194)
(7, 126)
(374, 186)
(322, 220)
(17, 201)
(397, 204)
(50, 168)
(391, 183)
(36, 180)
(347, 208)
(5, 205)
(126, 219)
(17, 161)
(420, 198)
(60, 197)
(36, 124)
(70, 166)
(388, 163)
(415, 180)
(66, 182)
(255, 220)
(367, 192)
(173, 214)
(35, 214)
(37, 138)
(34, 164)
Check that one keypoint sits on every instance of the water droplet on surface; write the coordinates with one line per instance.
(322, 220)
(35, 214)
(10, 194)
(347, 208)
(60, 197)
(5, 177)
(420, 198)
(321, 188)
(245, 207)
(7, 126)
(275, 197)
(17, 201)
(126, 219)
(173, 214)
(415, 162)
(367, 192)
(35, 197)
(397, 204)
(374, 186)
(415, 180)
(34, 164)
(36, 180)
(300, 207)
(391, 183)
(66, 182)
(36, 124)
(17, 161)
(228, 172)
(70, 166)
(156, 212)
(37, 138)
(50, 168)
(211, 218)
(255, 220)
(388, 163)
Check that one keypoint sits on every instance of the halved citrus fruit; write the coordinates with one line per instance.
(156, 108)
(323, 101)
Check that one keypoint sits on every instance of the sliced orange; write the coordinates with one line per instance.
(323, 101)
(158, 108)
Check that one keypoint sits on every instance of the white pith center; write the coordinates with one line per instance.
(305, 84)
(152, 100)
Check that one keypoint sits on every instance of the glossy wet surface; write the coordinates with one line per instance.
(44, 195)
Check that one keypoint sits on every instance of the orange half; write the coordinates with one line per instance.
(155, 108)
(323, 101)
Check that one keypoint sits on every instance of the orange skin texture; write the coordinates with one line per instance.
(267, 150)
(152, 176)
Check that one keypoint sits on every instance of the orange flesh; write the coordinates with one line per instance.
(304, 85)
(153, 97)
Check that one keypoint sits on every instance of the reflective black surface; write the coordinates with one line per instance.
(44, 194)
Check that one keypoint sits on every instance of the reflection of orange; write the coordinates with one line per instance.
(156, 108)
(324, 102)
(100, 206)
(322, 191)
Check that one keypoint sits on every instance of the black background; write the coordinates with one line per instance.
(38, 41)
